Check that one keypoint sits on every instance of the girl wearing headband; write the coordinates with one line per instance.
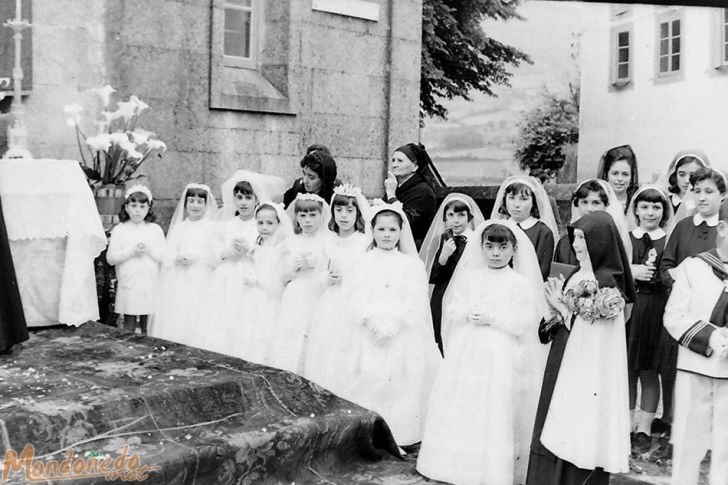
(136, 248)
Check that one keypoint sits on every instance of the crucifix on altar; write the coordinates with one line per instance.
(17, 134)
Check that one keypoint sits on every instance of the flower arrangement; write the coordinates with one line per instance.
(114, 155)
(592, 302)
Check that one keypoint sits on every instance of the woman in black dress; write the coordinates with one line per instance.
(409, 181)
(12, 320)
(319, 175)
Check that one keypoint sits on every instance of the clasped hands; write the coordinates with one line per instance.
(719, 342)
(480, 314)
(554, 295)
(305, 260)
(643, 272)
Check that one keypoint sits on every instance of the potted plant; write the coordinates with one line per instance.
(113, 156)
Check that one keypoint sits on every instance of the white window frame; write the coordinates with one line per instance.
(250, 62)
(669, 17)
(615, 80)
(723, 38)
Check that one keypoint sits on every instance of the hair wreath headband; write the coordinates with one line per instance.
(138, 188)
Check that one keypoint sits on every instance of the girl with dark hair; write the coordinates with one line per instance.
(482, 407)
(444, 244)
(136, 248)
(189, 260)
(676, 180)
(410, 181)
(691, 236)
(397, 359)
(581, 433)
(618, 166)
(333, 337)
(651, 212)
(319, 175)
(525, 202)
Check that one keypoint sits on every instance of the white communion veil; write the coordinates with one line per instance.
(546, 212)
(632, 221)
(285, 227)
(525, 263)
(406, 240)
(687, 204)
(211, 211)
(266, 187)
(349, 190)
(431, 243)
(614, 209)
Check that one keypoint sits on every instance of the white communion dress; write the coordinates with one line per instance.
(179, 315)
(335, 338)
(398, 358)
(483, 403)
(299, 299)
(137, 276)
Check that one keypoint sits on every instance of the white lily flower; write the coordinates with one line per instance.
(140, 136)
(110, 116)
(156, 145)
(105, 93)
(74, 110)
(71, 122)
(126, 109)
(140, 105)
(134, 154)
(119, 138)
(99, 143)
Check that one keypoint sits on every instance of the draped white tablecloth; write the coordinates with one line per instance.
(55, 233)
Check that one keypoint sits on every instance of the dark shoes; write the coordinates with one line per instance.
(641, 443)
(660, 427)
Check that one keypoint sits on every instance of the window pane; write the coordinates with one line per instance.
(676, 45)
(234, 44)
(234, 20)
(623, 71)
(623, 39)
(663, 64)
(239, 3)
(664, 44)
(676, 62)
(664, 30)
(623, 55)
(675, 27)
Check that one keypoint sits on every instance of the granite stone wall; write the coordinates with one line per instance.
(349, 83)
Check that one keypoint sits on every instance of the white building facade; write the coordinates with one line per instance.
(656, 78)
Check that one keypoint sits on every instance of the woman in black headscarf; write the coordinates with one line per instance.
(409, 182)
(319, 175)
(581, 433)
(12, 320)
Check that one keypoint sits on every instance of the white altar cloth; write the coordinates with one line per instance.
(55, 233)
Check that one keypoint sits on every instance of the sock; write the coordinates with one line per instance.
(631, 420)
(644, 425)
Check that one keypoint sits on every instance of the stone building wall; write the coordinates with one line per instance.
(349, 83)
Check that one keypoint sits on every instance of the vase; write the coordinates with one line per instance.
(109, 201)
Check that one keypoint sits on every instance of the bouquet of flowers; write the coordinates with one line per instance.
(592, 302)
(119, 148)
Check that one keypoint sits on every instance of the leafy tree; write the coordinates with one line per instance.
(546, 129)
(458, 56)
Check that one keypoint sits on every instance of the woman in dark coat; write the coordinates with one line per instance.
(319, 175)
(407, 182)
(12, 320)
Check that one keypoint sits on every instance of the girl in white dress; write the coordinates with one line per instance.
(483, 402)
(306, 258)
(228, 302)
(189, 260)
(399, 358)
(334, 337)
(274, 226)
(136, 248)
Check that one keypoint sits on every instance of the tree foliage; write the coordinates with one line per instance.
(458, 56)
(546, 129)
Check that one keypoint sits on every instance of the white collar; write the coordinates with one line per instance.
(655, 234)
(675, 199)
(528, 223)
(712, 221)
